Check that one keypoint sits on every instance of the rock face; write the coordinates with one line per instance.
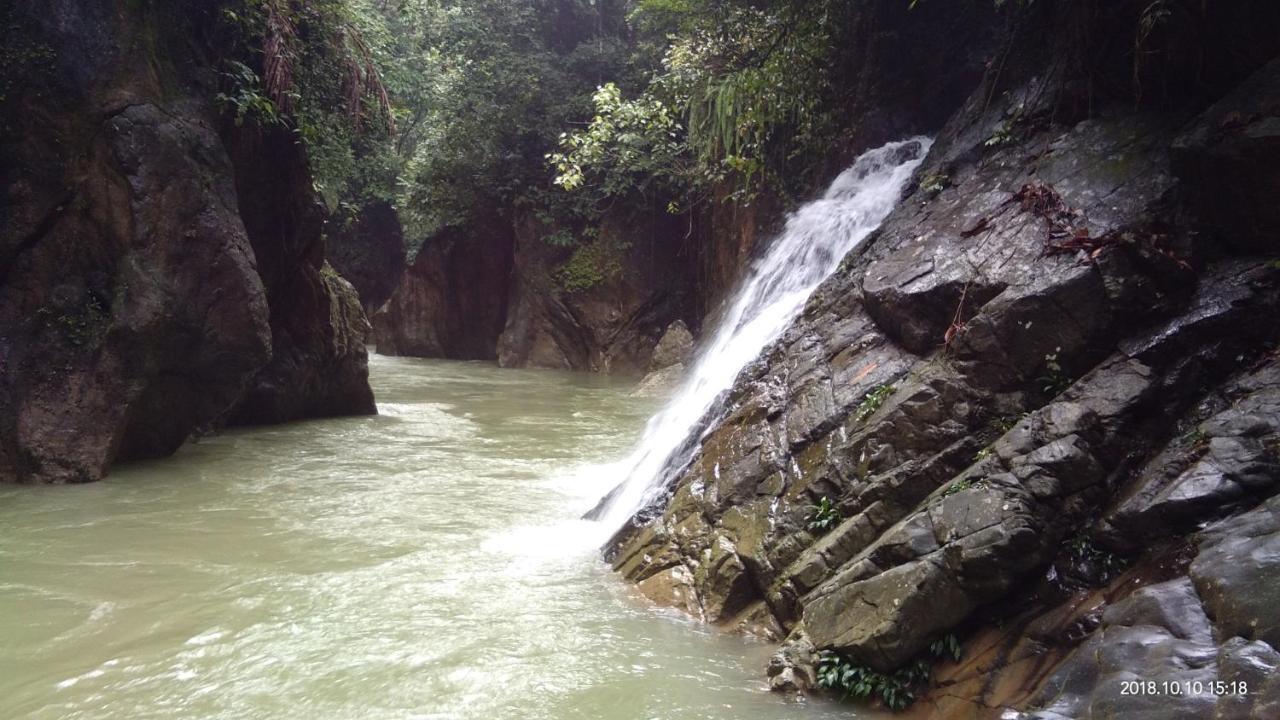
(1216, 624)
(138, 302)
(452, 302)
(1050, 357)
(667, 365)
(370, 253)
(319, 365)
(495, 288)
(675, 347)
(603, 310)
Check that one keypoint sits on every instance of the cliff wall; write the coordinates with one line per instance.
(159, 274)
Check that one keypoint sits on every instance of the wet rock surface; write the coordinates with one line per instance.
(1044, 367)
(369, 252)
(140, 297)
(1228, 156)
(319, 365)
(603, 310)
(669, 362)
(452, 301)
(1199, 646)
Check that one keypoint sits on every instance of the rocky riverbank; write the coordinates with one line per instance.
(1036, 412)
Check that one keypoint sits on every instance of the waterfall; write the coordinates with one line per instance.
(816, 238)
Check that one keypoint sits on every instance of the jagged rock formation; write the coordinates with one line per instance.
(493, 289)
(141, 295)
(1059, 351)
(319, 365)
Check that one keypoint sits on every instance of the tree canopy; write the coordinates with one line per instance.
(446, 108)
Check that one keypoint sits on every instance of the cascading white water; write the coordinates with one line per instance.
(815, 240)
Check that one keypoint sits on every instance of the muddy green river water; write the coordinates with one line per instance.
(424, 563)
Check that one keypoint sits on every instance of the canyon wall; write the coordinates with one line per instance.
(161, 269)
(912, 68)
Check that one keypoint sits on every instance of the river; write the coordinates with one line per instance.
(424, 563)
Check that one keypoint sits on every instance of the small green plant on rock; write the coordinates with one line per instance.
(591, 264)
(1002, 135)
(1005, 423)
(947, 646)
(824, 515)
(963, 484)
(1197, 439)
(872, 402)
(1054, 380)
(935, 183)
(1082, 548)
(82, 326)
(895, 690)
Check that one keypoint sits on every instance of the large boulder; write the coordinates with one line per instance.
(667, 366)
(131, 308)
(675, 347)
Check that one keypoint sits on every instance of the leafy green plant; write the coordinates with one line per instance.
(1082, 548)
(895, 690)
(935, 183)
(1196, 438)
(245, 98)
(740, 93)
(872, 402)
(963, 484)
(628, 144)
(858, 682)
(1054, 381)
(823, 516)
(1002, 135)
(947, 646)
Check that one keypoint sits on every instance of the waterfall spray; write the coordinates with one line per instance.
(816, 238)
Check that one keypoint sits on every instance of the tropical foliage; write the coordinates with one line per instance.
(449, 109)
(741, 92)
